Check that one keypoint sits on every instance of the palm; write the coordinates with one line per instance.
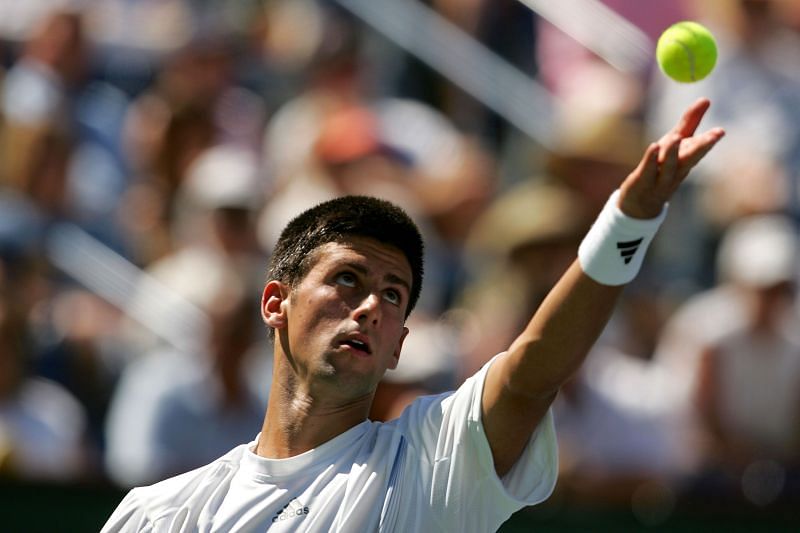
(666, 163)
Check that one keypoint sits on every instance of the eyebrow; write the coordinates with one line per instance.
(391, 278)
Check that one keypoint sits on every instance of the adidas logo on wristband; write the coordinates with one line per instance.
(628, 249)
(614, 236)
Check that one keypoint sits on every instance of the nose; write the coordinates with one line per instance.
(368, 309)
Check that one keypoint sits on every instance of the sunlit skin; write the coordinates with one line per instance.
(336, 333)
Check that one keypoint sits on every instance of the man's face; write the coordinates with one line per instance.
(345, 319)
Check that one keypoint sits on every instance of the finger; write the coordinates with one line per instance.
(667, 143)
(691, 118)
(646, 171)
(698, 148)
(705, 141)
(669, 163)
(648, 166)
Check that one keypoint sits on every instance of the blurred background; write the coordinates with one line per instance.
(152, 150)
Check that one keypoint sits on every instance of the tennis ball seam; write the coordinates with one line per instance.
(692, 45)
(689, 56)
(692, 58)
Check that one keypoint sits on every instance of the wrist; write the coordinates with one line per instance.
(613, 250)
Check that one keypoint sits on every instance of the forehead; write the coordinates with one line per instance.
(369, 253)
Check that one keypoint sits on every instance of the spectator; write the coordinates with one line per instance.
(42, 426)
(515, 253)
(37, 131)
(217, 207)
(749, 380)
(194, 104)
(174, 410)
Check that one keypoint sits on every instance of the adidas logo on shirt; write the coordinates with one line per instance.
(628, 249)
(293, 509)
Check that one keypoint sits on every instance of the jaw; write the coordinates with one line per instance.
(338, 378)
(330, 393)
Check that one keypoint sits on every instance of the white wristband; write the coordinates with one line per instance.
(613, 250)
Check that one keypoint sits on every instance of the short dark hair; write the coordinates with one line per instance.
(335, 221)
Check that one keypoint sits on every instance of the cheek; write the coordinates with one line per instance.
(319, 309)
(393, 332)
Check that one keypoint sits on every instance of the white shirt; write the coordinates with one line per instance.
(168, 415)
(429, 470)
(759, 390)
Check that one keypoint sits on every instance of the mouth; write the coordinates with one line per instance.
(359, 344)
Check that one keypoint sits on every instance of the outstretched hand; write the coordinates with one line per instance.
(666, 163)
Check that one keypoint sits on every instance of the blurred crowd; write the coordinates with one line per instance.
(151, 152)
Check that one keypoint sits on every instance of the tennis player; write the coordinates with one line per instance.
(343, 279)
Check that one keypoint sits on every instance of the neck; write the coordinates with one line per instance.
(299, 420)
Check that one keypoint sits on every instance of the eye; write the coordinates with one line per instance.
(347, 279)
(392, 296)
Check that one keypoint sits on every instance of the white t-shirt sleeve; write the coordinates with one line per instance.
(447, 432)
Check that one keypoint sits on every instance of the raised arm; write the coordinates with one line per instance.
(522, 383)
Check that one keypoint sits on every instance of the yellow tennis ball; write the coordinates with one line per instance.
(686, 52)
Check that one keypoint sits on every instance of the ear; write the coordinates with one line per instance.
(396, 355)
(273, 308)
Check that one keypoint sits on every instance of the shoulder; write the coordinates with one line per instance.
(434, 410)
(422, 411)
(191, 488)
